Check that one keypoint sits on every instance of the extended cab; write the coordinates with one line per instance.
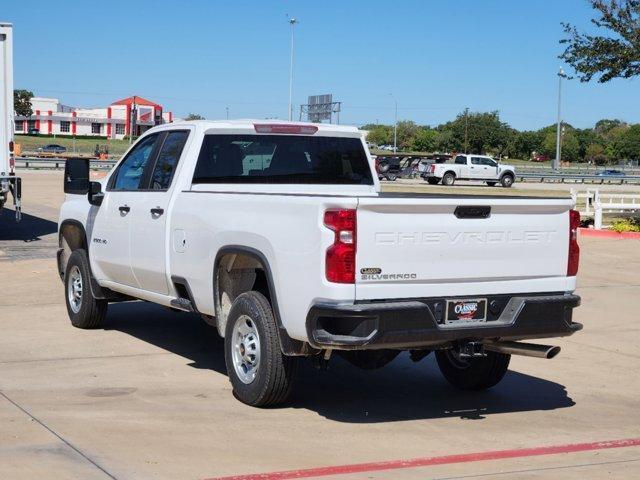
(278, 235)
(471, 167)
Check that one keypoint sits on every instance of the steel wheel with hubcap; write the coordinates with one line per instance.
(506, 180)
(448, 179)
(261, 375)
(74, 289)
(84, 310)
(246, 349)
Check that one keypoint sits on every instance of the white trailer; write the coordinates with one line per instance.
(9, 182)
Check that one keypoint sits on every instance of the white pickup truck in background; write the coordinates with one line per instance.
(471, 167)
(278, 235)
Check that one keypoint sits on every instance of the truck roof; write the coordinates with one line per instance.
(249, 124)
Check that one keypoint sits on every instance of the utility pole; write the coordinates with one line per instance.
(134, 117)
(227, 109)
(466, 130)
(556, 161)
(292, 22)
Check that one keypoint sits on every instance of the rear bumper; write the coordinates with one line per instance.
(420, 322)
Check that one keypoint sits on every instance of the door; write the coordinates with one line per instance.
(149, 218)
(490, 169)
(110, 252)
(476, 168)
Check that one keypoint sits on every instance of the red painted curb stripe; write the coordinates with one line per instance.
(590, 232)
(429, 461)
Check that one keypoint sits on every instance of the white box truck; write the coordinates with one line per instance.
(9, 182)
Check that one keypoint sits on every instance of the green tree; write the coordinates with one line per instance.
(523, 144)
(595, 153)
(407, 131)
(480, 132)
(604, 126)
(616, 53)
(627, 143)
(194, 116)
(22, 102)
(379, 134)
(425, 140)
(570, 146)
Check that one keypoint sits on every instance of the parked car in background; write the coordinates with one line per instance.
(52, 148)
(611, 173)
(33, 131)
(540, 158)
(471, 167)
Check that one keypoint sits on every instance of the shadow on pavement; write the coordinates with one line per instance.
(403, 390)
(29, 229)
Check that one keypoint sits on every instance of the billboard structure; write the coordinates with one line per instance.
(320, 108)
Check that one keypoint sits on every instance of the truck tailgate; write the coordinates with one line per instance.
(429, 246)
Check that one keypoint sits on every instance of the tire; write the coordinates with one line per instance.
(251, 333)
(432, 180)
(492, 184)
(84, 310)
(448, 179)
(507, 180)
(391, 177)
(473, 374)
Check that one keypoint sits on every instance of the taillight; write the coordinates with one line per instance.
(432, 168)
(340, 263)
(574, 248)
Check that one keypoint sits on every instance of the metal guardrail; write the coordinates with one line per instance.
(577, 178)
(58, 163)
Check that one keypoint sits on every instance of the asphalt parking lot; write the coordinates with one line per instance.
(147, 397)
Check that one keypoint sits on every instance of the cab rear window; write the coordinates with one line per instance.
(282, 159)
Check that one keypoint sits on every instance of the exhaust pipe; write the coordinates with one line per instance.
(526, 349)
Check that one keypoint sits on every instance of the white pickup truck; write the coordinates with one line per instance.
(471, 167)
(278, 235)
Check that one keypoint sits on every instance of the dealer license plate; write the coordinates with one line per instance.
(466, 310)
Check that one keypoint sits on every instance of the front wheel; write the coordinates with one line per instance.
(261, 375)
(432, 180)
(477, 373)
(507, 181)
(84, 310)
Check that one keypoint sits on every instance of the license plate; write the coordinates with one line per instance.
(466, 310)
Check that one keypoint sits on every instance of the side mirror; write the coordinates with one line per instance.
(95, 193)
(76, 176)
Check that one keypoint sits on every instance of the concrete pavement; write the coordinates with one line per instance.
(147, 396)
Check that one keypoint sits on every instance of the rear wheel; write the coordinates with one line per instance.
(261, 375)
(432, 180)
(84, 310)
(507, 180)
(448, 179)
(477, 373)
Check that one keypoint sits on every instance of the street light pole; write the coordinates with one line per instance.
(227, 109)
(556, 161)
(395, 126)
(292, 22)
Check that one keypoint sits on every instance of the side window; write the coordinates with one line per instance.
(489, 162)
(461, 160)
(131, 170)
(168, 160)
(477, 161)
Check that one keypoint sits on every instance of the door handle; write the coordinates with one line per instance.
(124, 209)
(157, 211)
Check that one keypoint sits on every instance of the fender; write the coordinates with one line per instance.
(96, 290)
(288, 345)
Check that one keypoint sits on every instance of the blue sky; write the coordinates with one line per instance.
(202, 56)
